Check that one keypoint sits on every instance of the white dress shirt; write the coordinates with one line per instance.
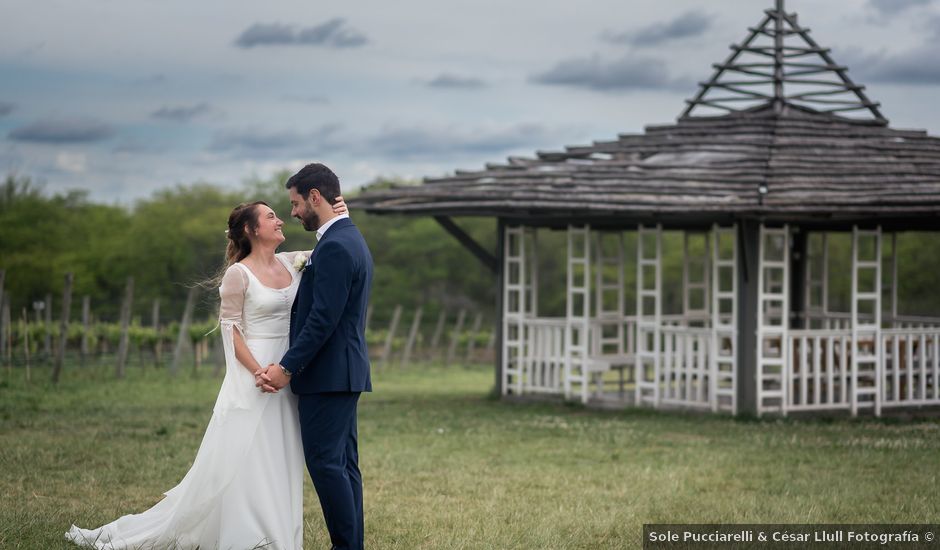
(322, 230)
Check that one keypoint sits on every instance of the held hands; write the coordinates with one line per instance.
(271, 378)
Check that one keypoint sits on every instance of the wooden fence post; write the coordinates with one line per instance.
(438, 332)
(155, 324)
(26, 341)
(3, 319)
(184, 330)
(201, 350)
(412, 335)
(125, 326)
(63, 328)
(7, 333)
(455, 337)
(389, 339)
(472, 344)
(86, 326)
(47, 339)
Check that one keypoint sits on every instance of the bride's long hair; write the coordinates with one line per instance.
(241, 222)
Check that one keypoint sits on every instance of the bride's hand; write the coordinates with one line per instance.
(340, 206)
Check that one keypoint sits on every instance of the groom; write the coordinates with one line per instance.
(327, 364)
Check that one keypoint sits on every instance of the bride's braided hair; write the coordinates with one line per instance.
(242, 220)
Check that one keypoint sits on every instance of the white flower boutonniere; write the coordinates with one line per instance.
(300, 262)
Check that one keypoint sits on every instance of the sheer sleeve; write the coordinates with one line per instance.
(232, 291)
(238, 388)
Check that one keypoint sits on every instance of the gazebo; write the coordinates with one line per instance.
(778, 149)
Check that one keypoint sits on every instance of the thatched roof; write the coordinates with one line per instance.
(782, 157)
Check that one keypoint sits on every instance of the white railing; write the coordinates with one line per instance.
(686, 367)
(911, 367)
(837, 320)
(819, 375)
(545, 356)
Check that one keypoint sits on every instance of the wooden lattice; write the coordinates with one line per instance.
(779, 63)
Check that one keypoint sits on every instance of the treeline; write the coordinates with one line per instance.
(176, 238)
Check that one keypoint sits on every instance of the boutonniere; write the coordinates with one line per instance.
(300, 262)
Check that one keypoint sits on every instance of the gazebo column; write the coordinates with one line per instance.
(724, 319)
(649, 311)
(773, 312)
(748, 241)
(514, 310)
(578, 312)
(498, 361)
(866, 320)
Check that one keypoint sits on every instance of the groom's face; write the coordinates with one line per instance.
(303, 209)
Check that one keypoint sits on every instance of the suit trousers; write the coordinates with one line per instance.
(331, 450)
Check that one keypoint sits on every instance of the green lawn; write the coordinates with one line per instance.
(445, 466)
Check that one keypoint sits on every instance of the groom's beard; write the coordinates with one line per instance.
(310, 220)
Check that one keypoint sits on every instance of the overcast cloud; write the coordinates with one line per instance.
(333, 33)
(688, 24)
(181, 113)
(62, 131)
(123, 98)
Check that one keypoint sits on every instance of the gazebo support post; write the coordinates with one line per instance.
(798, 265)
(500, 282)
(749, 247)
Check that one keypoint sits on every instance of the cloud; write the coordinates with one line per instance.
(691, 23)
(627, 73)
(932, 24)
(6, 108)
(426, 142)
(308, 99)
(894, 7)
(448, 81)
(182, 113)
(332, 34)
(65, 130)
(398, 142)
(151, 80)
(73, 163)
(276, 144)
(916, 66)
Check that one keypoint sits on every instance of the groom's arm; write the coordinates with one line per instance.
(332, 280)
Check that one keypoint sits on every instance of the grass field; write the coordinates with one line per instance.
(445, 466)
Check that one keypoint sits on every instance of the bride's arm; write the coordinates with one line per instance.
(233, 287)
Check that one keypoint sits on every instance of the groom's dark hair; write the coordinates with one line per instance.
(315, 176)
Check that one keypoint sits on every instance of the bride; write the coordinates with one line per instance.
(223, 502)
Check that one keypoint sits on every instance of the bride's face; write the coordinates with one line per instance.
(269, 225)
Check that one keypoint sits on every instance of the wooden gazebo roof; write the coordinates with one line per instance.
(794, 139)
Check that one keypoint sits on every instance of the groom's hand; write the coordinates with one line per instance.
(274, 377)
(262, 383)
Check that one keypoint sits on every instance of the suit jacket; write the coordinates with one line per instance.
(328, 350)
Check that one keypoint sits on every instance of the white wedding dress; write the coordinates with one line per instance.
(228, 500)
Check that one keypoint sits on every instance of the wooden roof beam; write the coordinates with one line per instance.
(467, 241)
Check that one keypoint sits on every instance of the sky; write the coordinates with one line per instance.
(124, 97)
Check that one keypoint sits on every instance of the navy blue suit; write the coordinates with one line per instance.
(329, 365)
